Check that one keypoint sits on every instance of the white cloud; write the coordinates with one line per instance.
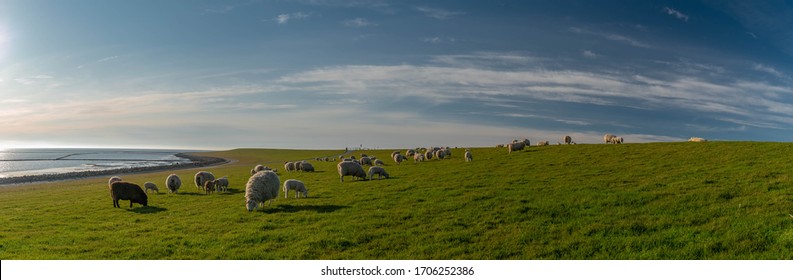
(285, 18)
(439, 40)
(438, 13)
(589, 54)
(770, 70)
(676, 13)
(358, 22)
(611, 36)
(109, 58)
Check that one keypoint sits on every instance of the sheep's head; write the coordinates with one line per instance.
(305, 193)
(251, 205)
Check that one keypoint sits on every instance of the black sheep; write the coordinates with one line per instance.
(128, 191)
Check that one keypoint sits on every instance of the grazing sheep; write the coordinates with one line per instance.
(410, 153)
(428, 154)
(366, 161)
(261, 187)
(447, 152)
(258, 168)
(202, 177)
(543, 143)
(173, 183)
(121, 190)
(379, 162)
(209, 186)
(418, 157)
(568, 140)
(398, 158)
(697, 139)
(440, 154)
(348, 168)
(297, 186)
(113, 180)
(289, 166)
(299, 165)
(307, 167)
(616, 140)
(222, 184)
(394, 153)
(150, 186)
(515, 146)
(468, 156)
(379, 171)
(607, 138)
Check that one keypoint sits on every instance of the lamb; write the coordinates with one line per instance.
(697, 139)
(222, 184)
(173, 183)
(121, 190)
(209, 186)
(201, 177)
(568, 140)
(379, 171)
(289, 166)
(261, 188)
(307, 167)
(468, 156)
(353, 169)
(297, 186)
(379, 162)
(113, 180)
(150, 186)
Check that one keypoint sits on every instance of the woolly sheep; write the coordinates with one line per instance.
(173, 183)
(697, 139)
(222, 184)
(307, 167)
(379, 162)
(394, 153)
(543, 143)
(398, 158)
(410, 153)
(468, 156)
(297, 186)
(209, 186)
(428, 154)
(418, 157)
(299, 165)
(568, 140)
(121, 190)
(113, 180)
(440, 154)
(516, 146)
(379, 171)
(366, 161)
(261, 187)
(447, 152)
(258, 168)
(289, 166)
(616, 140)
(348, 168)
(150, 186)
(607, 138)
(201, 177)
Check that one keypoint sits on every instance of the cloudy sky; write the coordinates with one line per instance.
(379, 73)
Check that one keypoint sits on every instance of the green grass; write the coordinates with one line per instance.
(716, 200)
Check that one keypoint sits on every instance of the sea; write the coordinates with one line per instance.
(31, 162)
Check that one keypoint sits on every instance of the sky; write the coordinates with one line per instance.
(330, 74)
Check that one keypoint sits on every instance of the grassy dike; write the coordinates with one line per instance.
(716, 200)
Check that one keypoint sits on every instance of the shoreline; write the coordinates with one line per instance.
(195, 161)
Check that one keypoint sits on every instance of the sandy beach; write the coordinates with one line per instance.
(195, 161)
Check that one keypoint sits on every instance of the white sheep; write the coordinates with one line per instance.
(366, 161)
(113, 180)
(428, 154)
(616, 140)
(515, 146)
(289, 166)
(468, 156)
(258, 168)
(379, 162)
(398, 158)
(394, 153)
(418, 157)
(173, 183)
(607, 138)
(222, 184)
(568, 140)
(299, 165)
(447, 152)
(440, 154)
(150, 186)
(202, 177)
(697, 139)
(262, 187)
(410, 153)
(543, 143)
(306, 167)
(349, 168)
(297, 186)
(379, 171)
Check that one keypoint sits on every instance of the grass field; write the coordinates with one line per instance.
(716, 200)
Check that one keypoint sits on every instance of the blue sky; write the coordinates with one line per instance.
(387, 74)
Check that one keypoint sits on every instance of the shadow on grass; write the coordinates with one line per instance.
(232, 191)
(147, 209)
(299, 208)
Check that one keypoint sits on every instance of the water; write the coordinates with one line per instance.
(27, 162)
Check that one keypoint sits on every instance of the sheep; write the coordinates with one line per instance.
(394, 153)
(428, 154)
(366, 161)
(379, 171)
(440, 154)
(410, 153)
(468, 156)
(348, 160)
(447, 152)
(149, 186)
(543, 143)
(173, 183)
(697, 139)
(616, 140)
(607, 138)
(113, 180)
(121, 190)
(261, 187)
(209, 186)
(258, 168)
(398, 158)
(515, 146)
(418, 157)
(364, 155)
(222, 184)
(568, 140)
(289, 166)
(307, 167)
(299, 165)
(201, 177)
(353, 169)
(297, 186)
(379, 162)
